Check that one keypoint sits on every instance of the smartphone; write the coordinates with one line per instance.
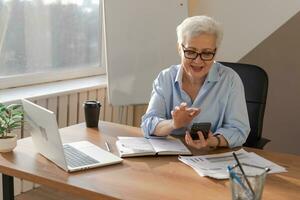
(204, 127)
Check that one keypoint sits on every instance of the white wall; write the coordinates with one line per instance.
(246, 23)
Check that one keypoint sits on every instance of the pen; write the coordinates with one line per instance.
(267, 169)
(107, 146)
(240, 166)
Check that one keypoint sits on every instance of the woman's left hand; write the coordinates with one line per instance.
(201, 143)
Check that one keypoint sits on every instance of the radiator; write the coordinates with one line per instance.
(69, 110)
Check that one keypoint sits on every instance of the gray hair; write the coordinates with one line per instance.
(197, 25)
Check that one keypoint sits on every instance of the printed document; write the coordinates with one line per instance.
(215, 165)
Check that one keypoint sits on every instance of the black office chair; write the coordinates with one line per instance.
(255, 81)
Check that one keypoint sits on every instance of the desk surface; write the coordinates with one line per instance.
(163, 177)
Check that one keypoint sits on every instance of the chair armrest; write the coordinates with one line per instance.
(259, 144)
(262, 142)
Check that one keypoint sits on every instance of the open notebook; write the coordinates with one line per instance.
(140, 146)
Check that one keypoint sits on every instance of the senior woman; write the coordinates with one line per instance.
(198, 90)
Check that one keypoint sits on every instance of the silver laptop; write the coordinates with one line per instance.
(70, 156)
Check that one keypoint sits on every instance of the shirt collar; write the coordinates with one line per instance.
(213, 75)
(178, 78)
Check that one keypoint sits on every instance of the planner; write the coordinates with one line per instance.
(140, 146)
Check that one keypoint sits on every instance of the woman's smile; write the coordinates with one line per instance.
(196, 68)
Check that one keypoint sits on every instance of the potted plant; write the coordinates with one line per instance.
(11, 118)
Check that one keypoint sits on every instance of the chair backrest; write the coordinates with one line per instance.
(255, 81)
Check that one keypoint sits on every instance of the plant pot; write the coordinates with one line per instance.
(8, 144)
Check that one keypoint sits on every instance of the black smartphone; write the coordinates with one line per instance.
(204, 127)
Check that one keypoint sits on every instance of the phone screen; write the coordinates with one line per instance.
(204, 127)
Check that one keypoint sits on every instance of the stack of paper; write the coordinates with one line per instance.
(215, 165)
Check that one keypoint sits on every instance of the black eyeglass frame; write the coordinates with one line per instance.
(198, 54)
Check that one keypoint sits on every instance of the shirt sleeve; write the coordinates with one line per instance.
(235, 127)
(157, 109)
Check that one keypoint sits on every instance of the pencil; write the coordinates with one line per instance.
(107, 146)
(240, 166)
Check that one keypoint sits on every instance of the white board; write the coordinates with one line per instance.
(140, 41)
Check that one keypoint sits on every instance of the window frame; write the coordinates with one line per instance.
(45, 77)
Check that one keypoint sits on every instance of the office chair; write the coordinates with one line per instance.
(255, 81)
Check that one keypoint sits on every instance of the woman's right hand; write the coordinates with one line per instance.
(183, 115)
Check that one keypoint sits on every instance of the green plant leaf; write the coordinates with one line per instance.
(11, 117)
(16, 125)
(17, 112)
(17, 117)
(14, 106)
(2, 130)
(2, 109)
(12, 122)
(2, 106)
(4, 119)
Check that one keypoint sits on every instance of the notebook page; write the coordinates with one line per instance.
(134, 145)
(169, 146)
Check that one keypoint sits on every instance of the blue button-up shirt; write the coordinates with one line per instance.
(221, 100)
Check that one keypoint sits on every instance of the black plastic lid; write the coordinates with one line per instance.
(91, 104)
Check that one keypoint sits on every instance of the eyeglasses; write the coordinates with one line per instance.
(205, 56)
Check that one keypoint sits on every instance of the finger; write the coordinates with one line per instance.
(202, 139)
(183, 106)
(190, 111)
(196, 144)
(186, 138)
(193, 111)
(190, 139)
(210, 134)
(194, 114)
(175, 111)
(201, 136)
(197, 112)
(188, 135)
(193, 143)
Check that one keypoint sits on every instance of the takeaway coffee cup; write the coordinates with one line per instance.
(91, 112)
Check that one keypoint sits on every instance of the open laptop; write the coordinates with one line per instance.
(70, 156)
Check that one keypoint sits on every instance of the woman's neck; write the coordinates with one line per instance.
(192, 81)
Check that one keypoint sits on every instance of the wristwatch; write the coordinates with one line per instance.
(219, 140)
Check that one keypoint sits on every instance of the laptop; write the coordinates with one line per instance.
(70, 156)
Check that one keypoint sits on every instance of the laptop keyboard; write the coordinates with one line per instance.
(76, 158)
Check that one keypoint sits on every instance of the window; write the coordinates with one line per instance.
(47, 40)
